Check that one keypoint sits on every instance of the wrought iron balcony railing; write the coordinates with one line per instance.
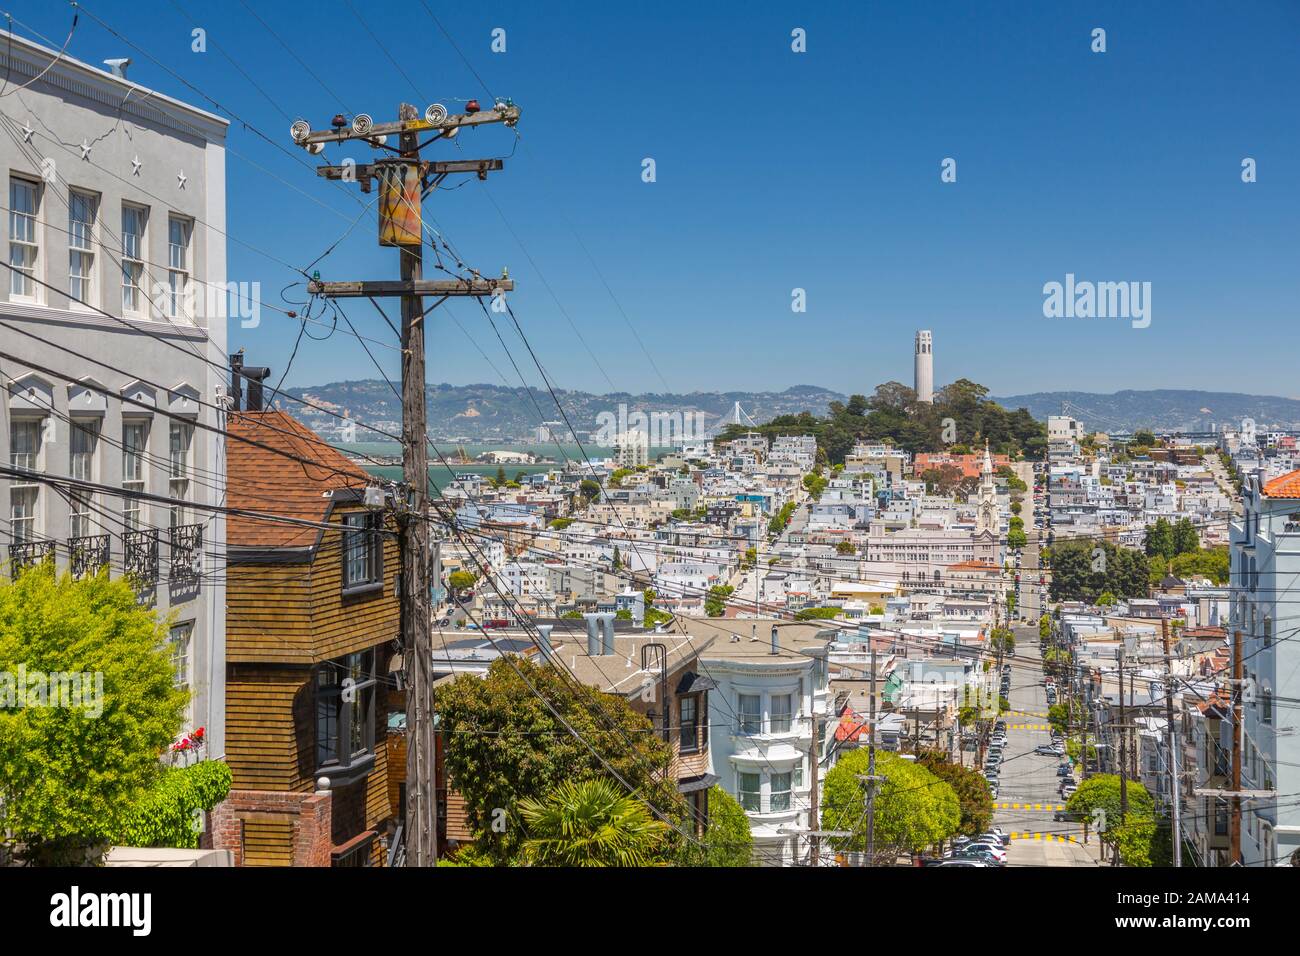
(140, 556)
(24, 554)
(87, 554)
(186, 553)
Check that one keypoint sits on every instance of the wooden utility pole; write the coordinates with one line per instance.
(1123, 750)
(814, 816)
(1238, 676)
(404, 181)
(1175, 797)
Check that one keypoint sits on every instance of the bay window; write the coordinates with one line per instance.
(750, 793)
(345, 713)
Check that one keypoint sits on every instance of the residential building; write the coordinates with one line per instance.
(111, 248)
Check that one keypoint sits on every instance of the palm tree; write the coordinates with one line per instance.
(591, 823)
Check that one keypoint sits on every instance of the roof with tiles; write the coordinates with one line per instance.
(1285, 486)
(269, 479)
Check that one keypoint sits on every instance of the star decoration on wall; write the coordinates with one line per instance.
(27, 132)
(85, 150)
(135, 166)
(180, 179)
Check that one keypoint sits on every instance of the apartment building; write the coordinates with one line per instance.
(113, 346)
(1265, 549)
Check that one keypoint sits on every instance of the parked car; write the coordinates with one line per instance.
(1064, 770)
(1068, 790)
(1048, 750)
(964, 862)
(988, 854)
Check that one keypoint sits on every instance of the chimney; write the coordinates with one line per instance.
(118, 66)
(593, 634)
(544, 639)
(253, 374)
(600, 634)
(776, 646)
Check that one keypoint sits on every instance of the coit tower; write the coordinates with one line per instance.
(924, 376)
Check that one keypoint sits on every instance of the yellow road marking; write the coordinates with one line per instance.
(1045, 837)
(1029, 806)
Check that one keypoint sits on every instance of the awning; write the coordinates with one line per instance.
(695, 784)
(693, 683)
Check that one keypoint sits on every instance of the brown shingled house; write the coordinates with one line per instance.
(312, 621)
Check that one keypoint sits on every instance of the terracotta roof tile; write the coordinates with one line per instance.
(1285, 486)
(260, 479)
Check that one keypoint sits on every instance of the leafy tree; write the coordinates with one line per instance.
(1106, 599)
(1143, 438)
(622, 614)
(618, 558)
(781, 518)
(1016, 507)
(73, 765)
(845, 547)
(1132, 835)
(1159, 539)
(1016, 539)
(971, 788)
(1186, 540)
(1083, 569)
(589, 489)
(165, 815)
(461, 580)
(501, 476)
(504, 745)
(715, 601)
(559, 524)
(749, 558)
(591, 823)
(818, 613)
(914, 808)
(573, 615)
(1003, 641)
(728, 840)
(1044, 627)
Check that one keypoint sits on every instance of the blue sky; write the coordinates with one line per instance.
(778, 170)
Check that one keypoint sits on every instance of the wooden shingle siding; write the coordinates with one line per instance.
(269, 730)
(268, 843)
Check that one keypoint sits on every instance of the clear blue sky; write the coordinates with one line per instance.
(779, 170)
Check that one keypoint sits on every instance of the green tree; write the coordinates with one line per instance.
(1044, 627)
(1016, 508)
(618, 559)
(1159, 539)
(1016, 539)
(914, 809)
(72, 769)
(1186, 540)
(501, 476)
(461, 580)
(589, 489)
(559, 524)
(1132, 835)
(845, 547)
(715, 601)
(1106, 599)
(591, 823)
(818, 613)
(165, 815)
(504, 744)
(728, 840)
(971, 788)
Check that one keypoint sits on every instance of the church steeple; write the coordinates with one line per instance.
(986, 518)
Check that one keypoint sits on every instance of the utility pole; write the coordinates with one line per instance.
(404, 182)
(1175, 797)
(814, 816)
(1238, 676)
(871, 765)
(1123, 751)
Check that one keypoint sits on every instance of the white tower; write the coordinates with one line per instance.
(924, 377)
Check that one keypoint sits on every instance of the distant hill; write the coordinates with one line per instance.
(492, 413)
(1162, 409)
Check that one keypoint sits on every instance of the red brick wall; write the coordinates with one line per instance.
(308, 813)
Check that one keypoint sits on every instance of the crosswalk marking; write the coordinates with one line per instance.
(1045, 837)
(1029, 806)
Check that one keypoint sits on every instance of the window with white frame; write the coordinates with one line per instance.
(181, 638)
(24, 495)
(750, 791)
(135, 446)
(782, 713)
(178, 485)
(83, 440)
(134, 301)
(82, 208)
(24, 244)
(750, 710)
(178, 268)
(779, 799)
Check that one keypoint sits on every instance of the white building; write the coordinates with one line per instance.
(923, 372)
(1265, 570)
(632, 449)
(769, 704)
(115, 298)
